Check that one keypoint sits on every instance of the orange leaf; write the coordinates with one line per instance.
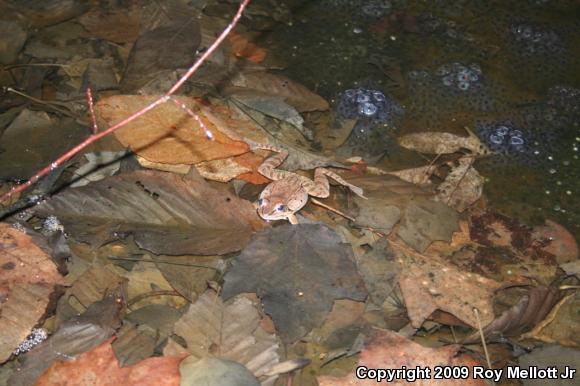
(167, 133)
(243, 48)
(101, 368)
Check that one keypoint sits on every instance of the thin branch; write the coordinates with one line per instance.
(70, 153)
(92, 110)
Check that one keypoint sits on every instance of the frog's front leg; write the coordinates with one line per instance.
(268, 167)
(320, 186)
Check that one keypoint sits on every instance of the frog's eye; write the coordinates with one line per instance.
(280, 207)
(260, 202)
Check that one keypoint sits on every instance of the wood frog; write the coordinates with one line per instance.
(288, 192)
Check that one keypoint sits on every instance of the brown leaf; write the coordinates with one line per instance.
(100, 368)
(298, 271)
(168, 134)
(165, 213)
(25, 306)
(77, 335)
(441, 143)
(531, 309)
(293, 93)
(388, 350)
(559, 240)
(119, 25)
(430, 284)
(241, 47)
(22, 262)
(462, 186)
(229, 330)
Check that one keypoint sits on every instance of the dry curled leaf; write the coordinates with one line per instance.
(462, 186)
(531, 309)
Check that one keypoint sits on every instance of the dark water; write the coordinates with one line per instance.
(510, 66)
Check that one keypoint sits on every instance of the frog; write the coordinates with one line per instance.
(289, 192)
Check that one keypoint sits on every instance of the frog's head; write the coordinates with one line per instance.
(272, 208)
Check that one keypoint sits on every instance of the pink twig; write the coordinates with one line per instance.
(92, 110)
(96, 136)
(190, 112)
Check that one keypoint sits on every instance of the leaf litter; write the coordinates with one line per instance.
(420, 245)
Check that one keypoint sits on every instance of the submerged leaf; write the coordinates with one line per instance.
(165, 213)
(441, 143)
(297, 271)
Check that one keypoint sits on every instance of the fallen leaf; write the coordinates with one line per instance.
(426, 221)
(78, 335)
(134, 344)
(293, 93)
(560, 241)
(222, 170)
(26, 304)
(119, 25)
(441, 143)
(87, 289)
(165, 213)
(531, 309)
(462, 186)
(430, 284)
(215, 372)
(167, 134)
(388, 350)
(274, 107)
(23, 262)
(161, 50)
(99, 367)
(98, 166)
(297, 271)
(241, 47)
(143, 278)
(229, 330)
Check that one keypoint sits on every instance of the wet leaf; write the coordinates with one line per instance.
(272, 106)
(77, 335)
(229, 330)
(145, 278)
(99, 367)
(531, 309)
(430, 284)
(161, 50)
(89, 288)
(133, 344)
(462, 186)
(188, 275)
(23, 262)
(441, 143)
(25, 306)
(426, 221)
(241, 47)
(222, 170)
(98, 166)
(293, 93)
(215, 372)
(559, 240)
(119, 25)
(156, 316)
(165, 214)
(388, 350)
(551, 356)
(168, 134)
(297, 271)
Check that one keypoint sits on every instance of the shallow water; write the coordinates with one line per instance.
(524, 56)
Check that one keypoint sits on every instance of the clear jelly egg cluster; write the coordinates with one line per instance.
(459, 76)
(368, 104)
(536, 40)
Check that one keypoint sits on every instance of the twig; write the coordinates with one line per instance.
(480, 328)
(92, 110)
(94, 137)
(51, 105)
(330, 208)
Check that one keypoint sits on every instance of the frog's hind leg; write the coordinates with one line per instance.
(320, 187)
(268, 167)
